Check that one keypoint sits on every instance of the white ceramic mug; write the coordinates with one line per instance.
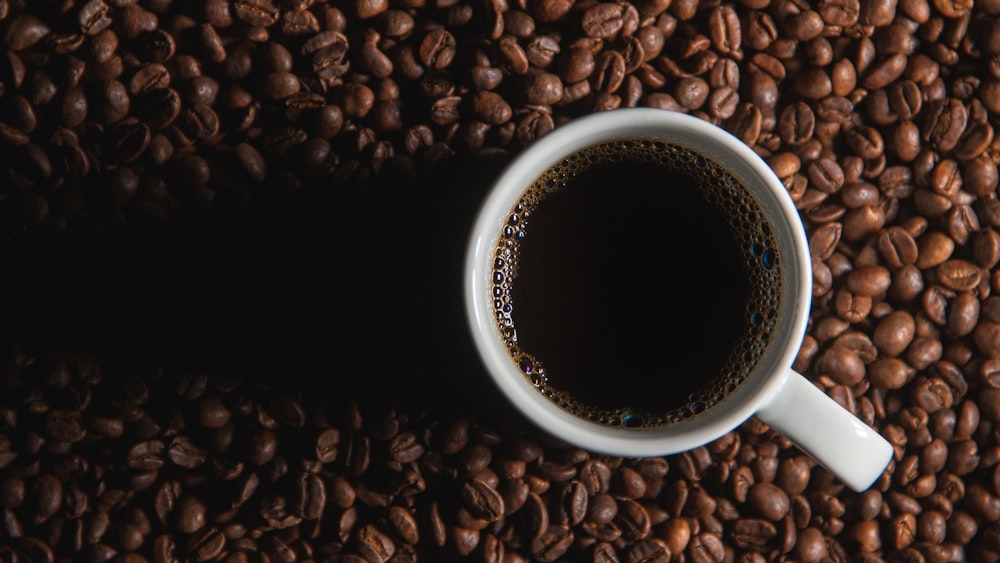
(776, 394)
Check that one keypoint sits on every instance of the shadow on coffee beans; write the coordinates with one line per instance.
(355, 290)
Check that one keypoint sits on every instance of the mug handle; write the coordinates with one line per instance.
(828, 432)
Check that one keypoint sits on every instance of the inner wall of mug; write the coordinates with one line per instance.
(792, 254)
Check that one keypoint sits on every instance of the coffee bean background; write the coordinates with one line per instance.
(230, 241)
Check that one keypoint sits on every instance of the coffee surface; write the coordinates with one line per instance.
(636, 283)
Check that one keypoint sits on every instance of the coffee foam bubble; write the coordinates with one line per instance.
(750, 228)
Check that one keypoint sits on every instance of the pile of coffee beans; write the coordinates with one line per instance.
(121, 118)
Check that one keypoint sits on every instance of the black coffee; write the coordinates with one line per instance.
(636, 283)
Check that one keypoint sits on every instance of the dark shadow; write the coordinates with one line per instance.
(354, 292)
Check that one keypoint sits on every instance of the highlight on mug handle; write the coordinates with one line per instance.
(828, 432)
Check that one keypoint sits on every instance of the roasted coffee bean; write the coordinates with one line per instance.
(374, 544)
(603, 21)
(261, 13)
(706, 547)
(768, 500)
(633, 520)
(482, 500)
(437, 49)
(551, 544)
(94, 17)
(608, 74)
(543, 88)
(628, 483)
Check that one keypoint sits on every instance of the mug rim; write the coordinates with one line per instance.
(507, 188)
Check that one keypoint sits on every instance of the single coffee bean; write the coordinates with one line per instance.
(261, 13)
(603, 21)
(944, 123)
(482, 500)
(608, 74)
(542, 50)
(543, 88)
(628, 483)
(769, 500)
(551, 544)
(437, 49)
(706, 547)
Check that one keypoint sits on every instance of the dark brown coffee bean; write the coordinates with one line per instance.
(374, 544)
(628, 483)
(200, 123)
(763, 91)
(206, 544)
(890, 373)
(13, 491)
(934, 249)
(542, 88)
(184, 453)
(706, 548)
(691, 92)
(482, 500)
(963, 314)
(944, 123)
(437, 49)
(862, 222)
(633, 520)
(885, 72)
(760, 30)
(866, 142)
(676, 534)
(813, 83)
(94, 17)
(826, 175)
(753, 534)
(45, 497)
(722, 102)
(796, 124)
(150, 77)
(609, 72)
(725, 30)
(810, 545)
(329, 61)
(869, 281)
(894, 333)
(603, 21)
(897, 247)
(935, 299)
(280, 85)
(146, 455)
(746, 123)
(573, 502)
(552, 544)
(931, 394)
(843, 366)
(602, 509)
(541, 50)
(261, 13)
(959, 275)
(651, 550)
(486, 78)
(595, 476)
(768, 500)
(189, 514)
(125, 142)
(960, 222)
(858, 194)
